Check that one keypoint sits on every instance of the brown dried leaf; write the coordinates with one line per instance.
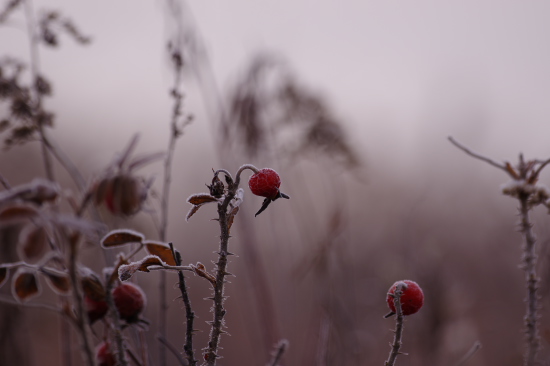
(231, 217)
(150, 260)
(3, 275)
(192, 211)
(121, 237)
(92, 286)
(25, 285)
(58, 281)
(17, 213)
(201, 198)
(34, 242)
(200, 270)
(161, 250)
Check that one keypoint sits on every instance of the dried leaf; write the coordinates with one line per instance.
(92, 285)
(3, 275)
(34, 242)
(231, 217)
(25, 285)
(121, 237)
(201, 198)
(150, 260)
(58, 281)
(17, 213)
(192, 211)
(200, 270)
(161, 250)
(126, 271)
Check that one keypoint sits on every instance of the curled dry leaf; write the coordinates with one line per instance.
(58, 281)
(3, 275)
(121, 237)
(201, 198)
(200, 271)
(161, 250)
(25, 285)
(33, 242)
(92, 285)
(126, 271)
(17, 213)
(231, 217)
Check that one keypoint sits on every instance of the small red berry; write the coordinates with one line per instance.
(96, 309)
(265, 183)
(412, 298)
(129, 301)
(104, 355)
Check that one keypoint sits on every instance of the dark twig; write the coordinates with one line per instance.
(477, 156)
(529, 266)
(189, 313)
(469, 354)
(398, 325)
(172, 349)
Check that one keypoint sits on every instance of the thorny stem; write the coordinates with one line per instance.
(117, 330)
(175, 132)
(221, 267)
(529, 262)
(189, 313)
(398, 325)
(81, 318)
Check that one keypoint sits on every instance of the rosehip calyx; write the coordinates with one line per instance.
(266, 183)
(412, 298)
(129, 301)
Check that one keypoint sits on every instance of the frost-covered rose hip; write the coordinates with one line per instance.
(412, 297)
(104, 355)
(265, 183)
(95, 308)
(129, 301)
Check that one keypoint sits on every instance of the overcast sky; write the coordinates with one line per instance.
(402, 74)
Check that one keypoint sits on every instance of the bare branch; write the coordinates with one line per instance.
(477, 156)
(398, 325)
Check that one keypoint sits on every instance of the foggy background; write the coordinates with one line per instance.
(399, 77)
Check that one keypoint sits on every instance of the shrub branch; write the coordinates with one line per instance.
(398, 332)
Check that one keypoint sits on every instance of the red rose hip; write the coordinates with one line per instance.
(265, 183)
(129, 301)
(412, 297)
(95, 308)
(104, 355)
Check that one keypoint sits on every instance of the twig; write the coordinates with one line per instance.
(189, 313)
(477, 156)
(172, 349)
(398, 325)
(221, 271)
(529, 264)
(280, 349)
(469, 354)
(81, 318)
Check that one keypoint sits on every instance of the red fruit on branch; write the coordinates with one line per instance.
(104, 355)
(412, 297)
(95, 308)
(129, 301)
(266, 183)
